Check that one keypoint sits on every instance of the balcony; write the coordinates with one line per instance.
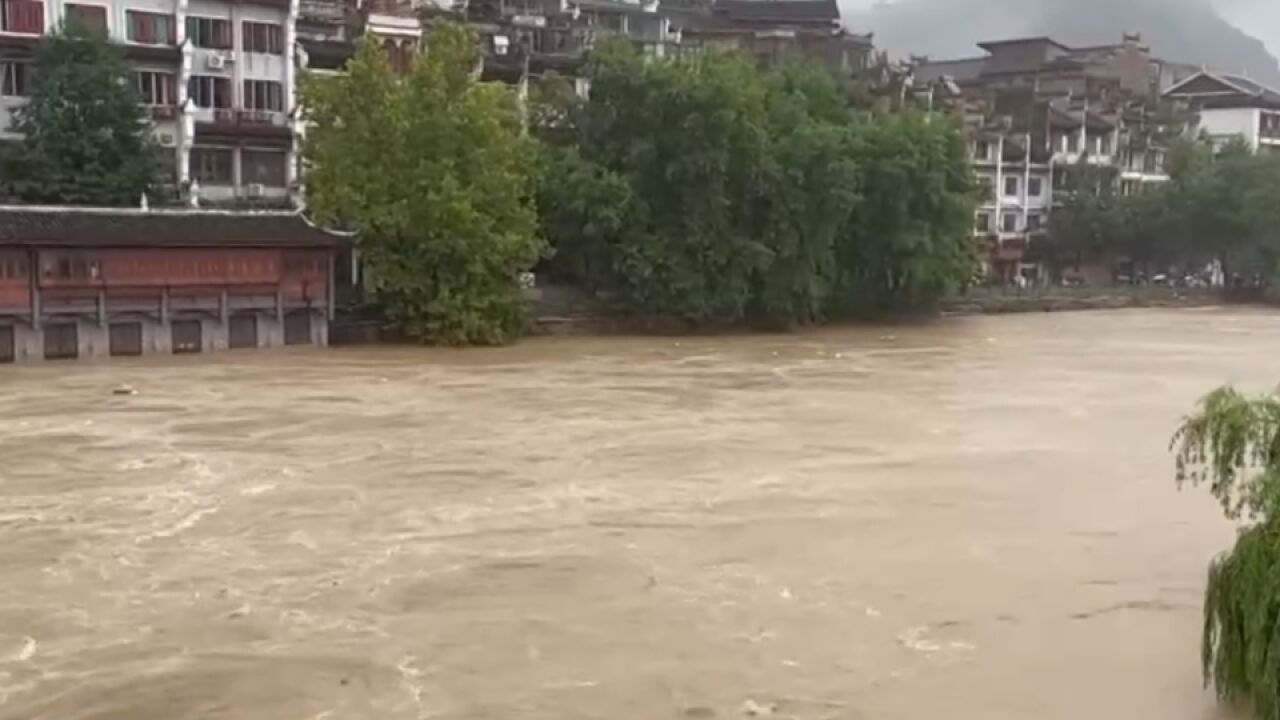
(260, 117)
(228, 122)
(22, 17)
(162, 112)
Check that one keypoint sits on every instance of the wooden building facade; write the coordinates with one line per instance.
(81, 282)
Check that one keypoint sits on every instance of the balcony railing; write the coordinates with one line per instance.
(247, 118)
(22, 16)
(260, 117)
(162, 112)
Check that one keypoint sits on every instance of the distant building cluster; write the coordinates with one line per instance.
(1034, 108)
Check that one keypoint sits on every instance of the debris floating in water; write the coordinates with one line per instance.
(124, 390)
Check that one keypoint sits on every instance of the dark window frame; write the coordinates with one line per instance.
(261, 37)
(200, 168)
(15, 78)
(87, 15)
(147, 28)
(210, 33)
(210, 92)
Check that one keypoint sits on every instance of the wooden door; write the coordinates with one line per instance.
(6, 344)
(243, 332)
(125, 338)
(61, 341)
(297, 328)
(188, 336)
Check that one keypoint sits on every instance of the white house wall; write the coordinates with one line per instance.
(1222, 124)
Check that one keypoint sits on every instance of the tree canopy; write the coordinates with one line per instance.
(1218, 206)
(85, 139)
(1232, 444)
(434, 173)
(706, 189)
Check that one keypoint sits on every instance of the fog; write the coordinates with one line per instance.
(1229, 35)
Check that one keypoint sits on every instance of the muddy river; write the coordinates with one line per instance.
(973, 518)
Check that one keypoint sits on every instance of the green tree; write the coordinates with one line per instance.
(434, 173)
(911, 241)
(708, 190)
(1232, 444)
(1089, 222)
(84, 137)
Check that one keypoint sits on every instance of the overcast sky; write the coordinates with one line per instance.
(1259, 18)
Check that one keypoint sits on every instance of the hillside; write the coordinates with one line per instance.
(1182, 30)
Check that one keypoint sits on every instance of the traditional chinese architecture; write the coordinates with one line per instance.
(1034, 108)
(1232, 107)
(772, 30)
(93, 282)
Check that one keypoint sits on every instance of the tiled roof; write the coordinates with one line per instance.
(959, 70)
(1254, 87)
(120, 227)
(804, 11)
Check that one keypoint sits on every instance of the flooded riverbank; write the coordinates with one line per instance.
(972, 518)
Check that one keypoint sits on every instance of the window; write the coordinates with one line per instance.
(71, 267)
(983, 223)
(15, 79)
(263, 167)
(262, 37)
(1073, 143)
(164, 160)
(150, 28)
(14, 268)
(1104, 145)
(212, 33)
(981, 150)
(156, 88)
(207, 91)
(1034, 222)
(22, 16)
(1009, 223)
(1011, 186)
(1035, 186)
(92, 17)
(211, 166)
(263, 95)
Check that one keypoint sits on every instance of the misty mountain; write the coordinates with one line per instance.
(1187, 31)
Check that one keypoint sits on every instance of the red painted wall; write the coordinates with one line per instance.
(299, 274)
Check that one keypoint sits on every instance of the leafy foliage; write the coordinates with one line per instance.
(85, 140)
(434, 173)
(1232, 443)
(705, 189)
(1218, 206)
(910, 242)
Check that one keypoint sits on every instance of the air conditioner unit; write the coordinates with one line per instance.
(216, 62)
(255, 190)
(168, 140)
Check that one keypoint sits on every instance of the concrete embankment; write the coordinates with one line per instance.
(996, 302)
(567, 311)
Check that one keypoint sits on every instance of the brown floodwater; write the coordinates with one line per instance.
(972, 518)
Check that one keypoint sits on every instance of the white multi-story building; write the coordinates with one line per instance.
(217, 78)
(1232, 107)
